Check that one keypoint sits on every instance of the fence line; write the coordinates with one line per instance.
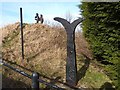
(17, 70)
(34, 77)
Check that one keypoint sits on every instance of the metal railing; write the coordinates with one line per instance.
(34, 77)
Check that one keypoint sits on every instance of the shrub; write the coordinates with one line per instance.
(101, 28)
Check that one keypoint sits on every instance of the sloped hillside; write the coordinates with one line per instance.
(45, 52)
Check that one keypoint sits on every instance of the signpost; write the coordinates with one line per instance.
(71, 67)
(21, 25)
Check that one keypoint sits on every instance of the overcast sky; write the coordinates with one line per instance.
(10, 10)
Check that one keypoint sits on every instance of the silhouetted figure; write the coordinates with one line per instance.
(37, 18)
(41, 19)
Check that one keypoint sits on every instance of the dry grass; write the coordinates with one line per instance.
(43, 46)
(45, 49)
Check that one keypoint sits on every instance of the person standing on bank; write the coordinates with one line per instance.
(37, 18)
(41, 19)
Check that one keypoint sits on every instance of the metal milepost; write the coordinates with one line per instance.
(71, 66)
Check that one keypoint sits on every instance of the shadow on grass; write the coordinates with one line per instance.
(53, 81)
(82, 71)
(14, 63)
(35, 55)
(9, 83)
(57, 80)
(107, 86)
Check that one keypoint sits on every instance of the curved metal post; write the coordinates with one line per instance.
(71, 66)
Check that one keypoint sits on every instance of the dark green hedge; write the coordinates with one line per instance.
(101, 28)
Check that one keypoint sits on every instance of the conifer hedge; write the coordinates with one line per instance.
(101, 28)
